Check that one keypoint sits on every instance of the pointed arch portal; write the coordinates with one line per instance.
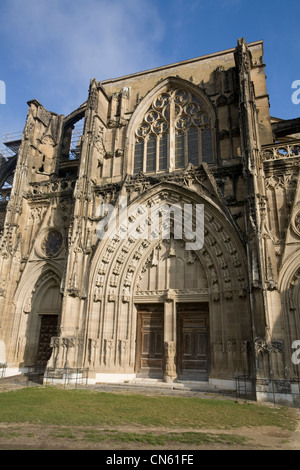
(41, 318)
(160, 309)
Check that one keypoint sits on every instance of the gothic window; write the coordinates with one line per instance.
(175, 131)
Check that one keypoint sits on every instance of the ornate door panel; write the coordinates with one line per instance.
(150, 335)
(48, 329)
(193, 343)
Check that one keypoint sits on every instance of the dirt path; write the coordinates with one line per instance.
(27, 436)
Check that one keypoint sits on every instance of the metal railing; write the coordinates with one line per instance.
(273, 390)
(3, 367)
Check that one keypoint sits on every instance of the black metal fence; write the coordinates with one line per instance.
(66, 376)
(278, 391)
(47, 376)
(2, 370)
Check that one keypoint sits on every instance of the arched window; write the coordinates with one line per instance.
(139, 156)
(151, 154)
(176, 130)
(193, 145)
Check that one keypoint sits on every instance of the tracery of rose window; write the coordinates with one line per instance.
(175, 131)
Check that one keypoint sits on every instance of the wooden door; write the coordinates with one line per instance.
(193, 342)
(48, 329)
(150, 336)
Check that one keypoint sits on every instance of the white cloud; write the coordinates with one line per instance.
(63, 44)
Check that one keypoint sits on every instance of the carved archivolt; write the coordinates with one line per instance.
(120, 266)
(294, 291)
(296, 223)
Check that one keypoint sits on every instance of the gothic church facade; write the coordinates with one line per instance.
(190, 134)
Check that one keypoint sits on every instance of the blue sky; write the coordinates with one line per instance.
(51, 49)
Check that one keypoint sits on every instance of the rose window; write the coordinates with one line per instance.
(52, 243)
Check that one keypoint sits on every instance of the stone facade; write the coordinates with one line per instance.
(193, 133)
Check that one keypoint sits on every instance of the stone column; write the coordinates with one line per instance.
(170, 365)
(170, 338)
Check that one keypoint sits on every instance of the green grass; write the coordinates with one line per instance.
(9, 434)
(109, 436)
(161, 439)
(55, 406)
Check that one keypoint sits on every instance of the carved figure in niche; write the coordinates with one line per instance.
(154, 261)
(28, 304)
(97, 294)
(99, 146)
(47, 150)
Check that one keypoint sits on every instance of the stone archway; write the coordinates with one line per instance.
(48, 312)
(43, 317)
(116, 282)
(289, 288)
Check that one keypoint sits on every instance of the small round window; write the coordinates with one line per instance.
(52, 243)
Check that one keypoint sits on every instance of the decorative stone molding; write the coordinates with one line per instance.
(281, 151)
(296, 223)
(170, 365)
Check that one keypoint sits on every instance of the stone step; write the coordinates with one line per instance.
(20, 378)
(178, 385)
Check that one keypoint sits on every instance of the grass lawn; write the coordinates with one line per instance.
(75, 412)
(54, 406)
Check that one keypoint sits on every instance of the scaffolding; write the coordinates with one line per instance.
(75, 147)
(12, 140)
(10, 144)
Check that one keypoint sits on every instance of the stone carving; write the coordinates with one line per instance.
(68, 342)
(99, 146)
(170, 366)
(294, 285)
(296, 223)
(52, 243)
(97, 294)
(28, 306)
(108, 351)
